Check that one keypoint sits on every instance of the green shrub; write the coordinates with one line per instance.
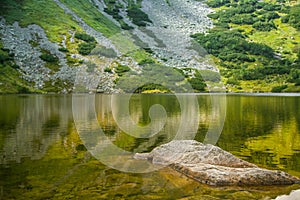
(279, 88)
(146, 61)
(49, 58)
(197, 84)
(264, 26)
(138, 17)
(63, 49)
(213, 15)
(107, 69)
(84, 37)
(103, 51)
(121, 69)
(269, 16)
(285, 19)
(217, 3)
(3, 57)
(294, 16)
(231, 46)
(294, 75)
(114, 12)
(23, 90)
(271, 7)
(151, 86)
(249, 75)
(124, 25)
(232, 81)
(86, 48)
(244, 19)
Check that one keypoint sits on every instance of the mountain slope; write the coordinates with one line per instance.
(105, 41)
(255, 44)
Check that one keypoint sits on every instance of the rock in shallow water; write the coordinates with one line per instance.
(294, 195)
(209, 164)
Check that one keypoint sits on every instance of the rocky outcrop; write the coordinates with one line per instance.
(211, 165)
(26, 44)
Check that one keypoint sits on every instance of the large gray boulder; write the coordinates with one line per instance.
(211, 165)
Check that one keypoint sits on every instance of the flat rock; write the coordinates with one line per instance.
(211, 165)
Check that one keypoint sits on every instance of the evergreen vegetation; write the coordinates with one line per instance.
(121, 69)
(103, 51)
(84, 37)
(86, 48)
(47, 57)
(252, 41)
(137, 16)
(293, 17)
(233, 41)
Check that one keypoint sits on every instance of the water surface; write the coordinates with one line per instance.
(42, 155)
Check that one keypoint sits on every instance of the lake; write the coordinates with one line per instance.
(44, 141)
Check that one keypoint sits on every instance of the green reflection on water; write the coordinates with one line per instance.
(264, 130)
(42, 156)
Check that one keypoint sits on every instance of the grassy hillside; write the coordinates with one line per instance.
(58, 26)
(45, 13)
(61, 27)
(255, 44)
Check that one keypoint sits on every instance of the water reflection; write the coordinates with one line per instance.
(41, 153)
(30, 124)
(264, 130)
(257, 128)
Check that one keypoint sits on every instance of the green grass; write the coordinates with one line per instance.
(10, 78)
(284, 40)
(89, 13)
(10, 81)
(45, 13)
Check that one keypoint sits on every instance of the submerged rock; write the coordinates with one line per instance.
(294, 195)
(211, 165)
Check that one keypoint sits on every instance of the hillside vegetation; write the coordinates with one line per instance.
(254, 44)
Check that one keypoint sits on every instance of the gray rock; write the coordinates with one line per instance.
(173, 23)
(211, 165)
(294, 195)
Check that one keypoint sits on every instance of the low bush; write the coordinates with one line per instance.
(138, 17)
(86, 48)
(84, 37)
(49, 58)
(279, 88)
(264, 26)
(121, 69)
(63, 49)
(103, 51)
